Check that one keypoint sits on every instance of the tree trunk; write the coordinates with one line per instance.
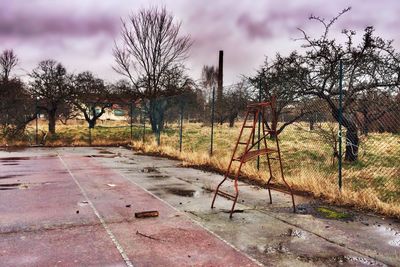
(52, 121)
(156, 111)
(366, 123)
(274, 127)
(352, 143)
(232, 118)
(311, 120)
(92, 123)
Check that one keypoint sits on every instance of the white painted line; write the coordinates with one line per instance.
(108, 230)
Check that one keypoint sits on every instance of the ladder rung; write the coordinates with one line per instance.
(224, 194)
(252, 154)
(236, 159)
(248, 126)
(274, 158)
(242, 143)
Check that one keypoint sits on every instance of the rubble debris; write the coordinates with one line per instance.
(146, 214)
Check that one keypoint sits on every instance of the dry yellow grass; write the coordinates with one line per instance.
(372, 183)
(308, 165)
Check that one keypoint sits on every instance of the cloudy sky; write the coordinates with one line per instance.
(81, 33)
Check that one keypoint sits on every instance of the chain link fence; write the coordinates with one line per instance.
(310, 143)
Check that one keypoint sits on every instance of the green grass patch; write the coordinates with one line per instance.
(329, 213)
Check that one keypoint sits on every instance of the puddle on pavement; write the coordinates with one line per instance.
(280, 250)
(8, 176)
(106, 152)
(12, 186)
(338, 260)
(295, 233)
(8, 185)
(102, 156)
(158, 176)
(390, 234)
(184, 192)
(207, 189)
(150, 169)
(229, 211)
(13, 159)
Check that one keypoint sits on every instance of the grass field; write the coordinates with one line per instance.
(372, 183)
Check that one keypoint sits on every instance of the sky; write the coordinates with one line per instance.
(81, 33)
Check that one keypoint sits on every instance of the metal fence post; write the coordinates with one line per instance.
(180, 128)
(37, 126)
(90, 129)
(158, 135)
(90, 136)
(131, 121)
(212, 120)
(143, 114)
(340, 124)
(259, 124)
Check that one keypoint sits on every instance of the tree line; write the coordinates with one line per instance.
(151, 53)
(307, 83)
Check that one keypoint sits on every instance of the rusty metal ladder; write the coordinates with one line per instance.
(254, 111)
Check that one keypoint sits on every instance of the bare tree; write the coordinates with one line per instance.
(209, 75)
(16, 106)
(371, 106)
(372, 64)
(91, 97)
(53, 86)
(151, 48)
(178, 85)
(279, 80)
(235, 100)
(8, 61)
(122, 91)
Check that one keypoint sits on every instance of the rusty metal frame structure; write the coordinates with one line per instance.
(254, 112)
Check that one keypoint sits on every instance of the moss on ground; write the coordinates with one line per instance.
(329, 213)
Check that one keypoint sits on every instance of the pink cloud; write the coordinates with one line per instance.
(21, 25)
(81, 32)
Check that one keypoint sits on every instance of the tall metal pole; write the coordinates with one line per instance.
(37, 126)
(212, 119)
(131, 121)
(90, 136)
(220, 83)
(259, 124)
(158, 136)
(180, 129)
(144, 123)
(340, 124)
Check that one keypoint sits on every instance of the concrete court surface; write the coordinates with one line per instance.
(75, 207)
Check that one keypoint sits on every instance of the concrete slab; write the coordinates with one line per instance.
(64, 246)
(68, 209)
(269, 233)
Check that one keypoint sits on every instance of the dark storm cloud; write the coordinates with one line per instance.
(81, 33)
(275, 21)
(30, 21)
